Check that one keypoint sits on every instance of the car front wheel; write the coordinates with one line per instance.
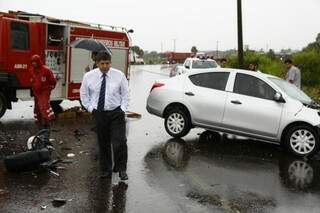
(302, 140)
(177, 123)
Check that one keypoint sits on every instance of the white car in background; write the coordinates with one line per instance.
(238, 102)
(194, 64)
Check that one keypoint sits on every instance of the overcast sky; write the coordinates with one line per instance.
(272, 24)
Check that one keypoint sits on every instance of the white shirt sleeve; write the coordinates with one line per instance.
(124, 89)
(85, 94)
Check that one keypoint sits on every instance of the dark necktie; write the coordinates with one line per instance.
(102, 93)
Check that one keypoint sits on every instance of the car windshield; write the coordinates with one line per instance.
(292, 90)
(202, 64)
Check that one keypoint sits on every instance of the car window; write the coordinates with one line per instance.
(202, 64)
(252, 86)
(212, 80)
(19, 36)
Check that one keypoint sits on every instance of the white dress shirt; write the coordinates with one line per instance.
(116, 94)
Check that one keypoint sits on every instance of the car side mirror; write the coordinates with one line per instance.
(187, 67)
(278, 98)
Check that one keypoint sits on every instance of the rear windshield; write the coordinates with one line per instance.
(204, 64)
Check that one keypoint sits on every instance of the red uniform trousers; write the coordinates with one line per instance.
(42, 110)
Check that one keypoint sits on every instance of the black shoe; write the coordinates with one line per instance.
(105, 175)
(123, 175)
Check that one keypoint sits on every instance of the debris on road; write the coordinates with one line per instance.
(70, 155)
(58, 202)
(61, 167)
(55, 173)
(133, 115)
(29, 160)
(43, 207)
(66, 148)
(84, 152)
(67, 161)
(78, 133)
(2, 192)
(73, 113)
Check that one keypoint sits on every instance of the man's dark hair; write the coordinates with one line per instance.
(103, 56)
(223, 60)
(288, 61)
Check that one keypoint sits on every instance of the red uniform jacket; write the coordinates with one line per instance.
(42, 79)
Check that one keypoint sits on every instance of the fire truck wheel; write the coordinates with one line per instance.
(58, 102)
(3, 104)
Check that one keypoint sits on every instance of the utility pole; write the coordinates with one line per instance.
(161, 47)
(217, 50)
(240, 39)
(174, 45)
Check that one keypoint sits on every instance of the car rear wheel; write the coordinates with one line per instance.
(302, 140)
(177, 123)
(3, 104)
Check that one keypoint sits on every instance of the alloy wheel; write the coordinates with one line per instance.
(176, 123)
(302, 141)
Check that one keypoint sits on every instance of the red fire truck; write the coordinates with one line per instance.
(24, 34)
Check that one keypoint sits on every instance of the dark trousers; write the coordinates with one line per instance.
(111, 131)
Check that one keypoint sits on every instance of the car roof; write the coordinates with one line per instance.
(219, 69)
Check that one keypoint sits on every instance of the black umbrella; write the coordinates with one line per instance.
(90, 44)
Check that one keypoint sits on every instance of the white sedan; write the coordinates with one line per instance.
(194, 64)
(239, 102)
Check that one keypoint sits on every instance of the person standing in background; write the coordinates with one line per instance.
(293, 75)
(94, 65)
(42, 82)
(254, 66)
(223, 63)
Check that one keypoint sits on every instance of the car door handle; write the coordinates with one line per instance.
(236, 102)
(189, 93)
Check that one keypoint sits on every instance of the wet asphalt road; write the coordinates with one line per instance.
(202, 172)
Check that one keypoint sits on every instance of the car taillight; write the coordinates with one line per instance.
(156, 85)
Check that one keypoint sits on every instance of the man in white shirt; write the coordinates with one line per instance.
(293, 75)
(104, 93)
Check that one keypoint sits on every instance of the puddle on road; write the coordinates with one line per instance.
(234, 175)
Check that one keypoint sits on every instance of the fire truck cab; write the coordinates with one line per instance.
(23, 35)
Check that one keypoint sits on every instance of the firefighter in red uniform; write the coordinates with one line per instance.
(42, 81)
